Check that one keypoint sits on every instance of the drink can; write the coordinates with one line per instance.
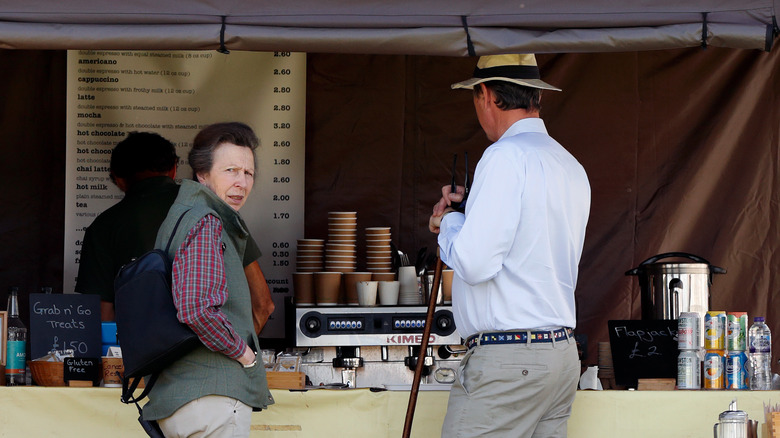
(688, 374)
(715, 330)
(688, 331)
(736, 370)
(714, 369)
(736, 331)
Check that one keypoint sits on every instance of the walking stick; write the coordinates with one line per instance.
(423, 347)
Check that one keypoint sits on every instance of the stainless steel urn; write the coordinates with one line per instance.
(669, 289)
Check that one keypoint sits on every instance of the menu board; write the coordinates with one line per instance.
(175, 94)
(65, 322)
(643, 349)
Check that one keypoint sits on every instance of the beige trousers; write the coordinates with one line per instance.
(210, 416)
(513, 390)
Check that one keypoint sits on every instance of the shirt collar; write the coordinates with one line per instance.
(530, 124)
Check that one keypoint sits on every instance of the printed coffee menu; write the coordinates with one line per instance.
(175, 94)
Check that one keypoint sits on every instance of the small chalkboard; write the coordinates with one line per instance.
(86, 369)
(643, 349)
(65, 321)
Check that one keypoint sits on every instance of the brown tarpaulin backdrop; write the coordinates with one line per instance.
(681, 147)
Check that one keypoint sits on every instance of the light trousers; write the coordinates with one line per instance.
(513, 390)
(210, 416)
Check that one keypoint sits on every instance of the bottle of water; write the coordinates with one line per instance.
(16, 351)
(760, 350)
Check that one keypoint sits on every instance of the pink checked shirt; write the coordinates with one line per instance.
(200, 288)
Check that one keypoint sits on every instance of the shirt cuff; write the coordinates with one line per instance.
(452, 219)
(237, 351)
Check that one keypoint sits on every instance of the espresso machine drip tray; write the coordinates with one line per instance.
(372, 326)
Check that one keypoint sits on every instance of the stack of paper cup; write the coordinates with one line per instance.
(340, 252)
(409, 292)
(309, 255)
(340, 257)
(350, 281)
(378, 253)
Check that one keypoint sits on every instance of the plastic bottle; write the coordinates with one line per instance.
(16, 351)
(760, 355)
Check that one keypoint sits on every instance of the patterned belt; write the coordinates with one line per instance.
(518, 337)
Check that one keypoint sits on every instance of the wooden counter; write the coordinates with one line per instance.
(361, 413)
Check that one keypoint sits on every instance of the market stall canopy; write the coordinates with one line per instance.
(410, 27)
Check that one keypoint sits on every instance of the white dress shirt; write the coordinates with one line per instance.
(516, 251)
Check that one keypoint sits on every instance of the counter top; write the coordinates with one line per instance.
(97, 412)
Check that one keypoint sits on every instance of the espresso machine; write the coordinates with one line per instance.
(376, 347)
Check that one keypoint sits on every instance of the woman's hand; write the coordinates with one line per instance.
(248, 359)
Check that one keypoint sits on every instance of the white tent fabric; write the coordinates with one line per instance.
(410, 27)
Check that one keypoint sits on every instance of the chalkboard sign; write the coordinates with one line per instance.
(643, 349)
(82, 369)
(65, 321)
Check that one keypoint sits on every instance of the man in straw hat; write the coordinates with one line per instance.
(515, 254)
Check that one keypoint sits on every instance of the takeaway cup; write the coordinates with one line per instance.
(303, 288)
(342, 214)
(351, 280)
(382, 276)
(407, 276)
(327, 287)
(388, 292)
(446, 285)
(366, 292)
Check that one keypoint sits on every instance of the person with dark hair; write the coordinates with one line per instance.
(515, 252)
(139, 155)
(212, 390)
(143, 165)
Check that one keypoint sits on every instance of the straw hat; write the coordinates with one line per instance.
(520, 69)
